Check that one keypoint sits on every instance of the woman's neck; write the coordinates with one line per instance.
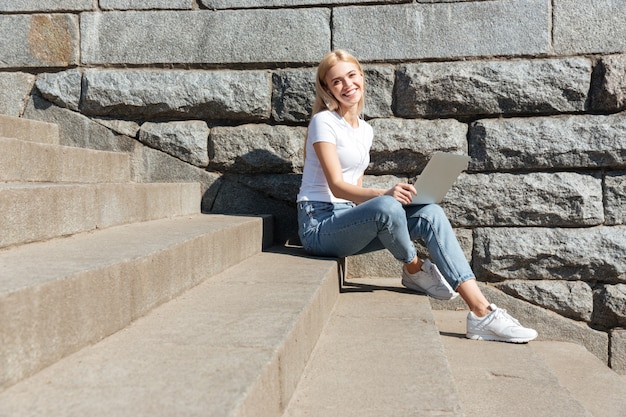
(350, 116)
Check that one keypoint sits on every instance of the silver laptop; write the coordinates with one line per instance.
(438, 176)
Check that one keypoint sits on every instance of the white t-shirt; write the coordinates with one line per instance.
(353, 148)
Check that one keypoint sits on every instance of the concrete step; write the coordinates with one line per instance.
(593, 384)
(535, 379)
(24, 161)
(234, 345)
(58, 296)
(379, 355)
(26, 129)
(39, 211)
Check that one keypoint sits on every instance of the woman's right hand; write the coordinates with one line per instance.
(402, 192)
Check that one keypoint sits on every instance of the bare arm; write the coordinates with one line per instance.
(327, 155)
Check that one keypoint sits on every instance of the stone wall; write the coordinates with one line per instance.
(220, 91)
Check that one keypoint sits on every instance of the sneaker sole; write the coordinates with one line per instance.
(492, 338)
(412, 287)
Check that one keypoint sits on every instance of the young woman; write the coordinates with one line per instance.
(338, 217)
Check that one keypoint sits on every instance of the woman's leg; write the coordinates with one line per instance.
(473, 296)
(348, 229)
(430, 223)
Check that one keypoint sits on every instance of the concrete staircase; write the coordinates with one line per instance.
(121, 299)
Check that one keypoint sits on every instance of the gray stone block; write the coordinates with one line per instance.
(146, 4)
(589, 26)
(568, 142)
(61, 88)
(609, 93)
(236, 197)
(245, 4)
(618, 351)
(205, 95)
(185, 140)
(76, 129)
(572, 299)
(492, 87)
(205, 37)
(280, 187)
(405, 146)
(257, 148)
(45, 5)
(610, 306)
(123, 127)
(416, 31)
(379, 81)
(530, 199)
(293, 95)
(615, 197)
(551, 253)
(151, 165)
(39, 40)
(14, 90)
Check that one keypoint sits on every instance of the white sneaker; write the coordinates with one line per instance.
(429, 281)
(498, 326)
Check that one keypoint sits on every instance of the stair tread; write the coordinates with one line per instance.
(580, 371)
(220, 349)
(61, 295)
(31, 161)
(379, 355)
(63, 257)
(28, 129)
(40, 211)
(502, 379)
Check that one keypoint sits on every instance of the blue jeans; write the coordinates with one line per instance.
(344, 229)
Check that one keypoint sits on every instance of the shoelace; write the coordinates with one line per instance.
(500, 312)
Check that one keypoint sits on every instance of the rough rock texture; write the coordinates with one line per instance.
(551, 253)
(610, 87)
(573, 299)
(292, 100)
(154, 37)
(257, 148)
(76, 129)
(414, 31)
(405, 146)
(618, 351)
(61, 88)
(151, 165)
(146, 4)
(615, 196)
(531, 199)
(609, 302)
(45, 5)
(186, 140)
(379, 89)
(14, 90)
(210, 95)
(39, 40)
(589, 26)
(548, 142)
(492, 87)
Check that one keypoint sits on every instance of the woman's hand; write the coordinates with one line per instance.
(402, 192)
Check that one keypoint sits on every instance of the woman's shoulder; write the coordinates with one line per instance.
(324, 114)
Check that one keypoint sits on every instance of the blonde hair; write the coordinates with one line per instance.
(323, 99)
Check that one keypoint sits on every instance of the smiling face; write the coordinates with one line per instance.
(344, 82)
